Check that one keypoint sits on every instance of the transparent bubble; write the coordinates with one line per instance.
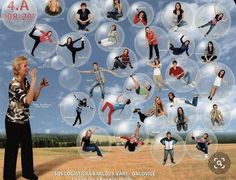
(73, 109)
(100, 137)
(48, 8)
(57, 62)
(72, 13)
(127, 70)
(201, 49)
(82, 53)
(140, 43)
(108, 7)
(118, 115)
(158, 149)
(127, 128)
(226, 115)
(37, 44)
(47, 63)
(170, 21)
(19, 15)
(207, 13)
(190, 113)
(191, 148)
(105, 43)
(206, 76)
(180, 85)
(176, 42)
(136, 8)
(69, 78)
(144, 82)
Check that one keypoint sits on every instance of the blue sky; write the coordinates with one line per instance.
(45, 113)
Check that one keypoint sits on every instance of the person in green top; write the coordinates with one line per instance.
(111, 39)
(216, 116)
(142, 90)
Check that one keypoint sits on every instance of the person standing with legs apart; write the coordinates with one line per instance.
(152, 41)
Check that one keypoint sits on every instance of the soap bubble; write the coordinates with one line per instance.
(56, 62)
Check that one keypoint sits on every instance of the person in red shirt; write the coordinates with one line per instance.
(46, 36)
(140, 17)
(152, 41)
(179, 73)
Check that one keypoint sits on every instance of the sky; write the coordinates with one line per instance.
(45, 113)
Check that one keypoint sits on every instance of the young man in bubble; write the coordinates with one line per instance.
(216, 116)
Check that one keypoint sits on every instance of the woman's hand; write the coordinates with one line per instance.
(33, 74)
(43, 83)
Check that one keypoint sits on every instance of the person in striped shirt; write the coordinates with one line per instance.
(123, 62)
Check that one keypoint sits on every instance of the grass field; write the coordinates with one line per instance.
(49, 161)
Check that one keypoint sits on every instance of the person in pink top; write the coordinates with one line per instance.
(152, 41)
(46, 36)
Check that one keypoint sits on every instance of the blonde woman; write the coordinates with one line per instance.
(157, 77)
(18, 131)
(53, 8)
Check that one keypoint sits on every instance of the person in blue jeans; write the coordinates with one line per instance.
(87, 146)
(174, 101)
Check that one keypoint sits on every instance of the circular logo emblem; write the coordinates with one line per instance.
(219, 163)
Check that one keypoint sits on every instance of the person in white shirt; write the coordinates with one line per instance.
(174, 101)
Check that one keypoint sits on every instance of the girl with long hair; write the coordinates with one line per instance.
(209, 54)
(181, 120)
(116, 12)
(111, 39)
(125, 60)
(53, 8)
(152, 41)
(140, 17)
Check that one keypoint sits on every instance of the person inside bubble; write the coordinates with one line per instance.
(116, 12)
(53, 8)
(174, 101)
(177, 72)
(168, 143)
(83, 17)
(100, 80)
(152, 41)
(143, 89)
(70, 46)
(182, 49)
(181, 120)
(157, 110)
(202, 143)
(133, 141)
(18, 130)
(111, 39)
(87, 146)
(115, 107)
(125, 60)
(209, 55)
(140, 17)
(217, 83)
(82, 103)
(178, 16)
(45, 36)
(216, 116)
(157, 76)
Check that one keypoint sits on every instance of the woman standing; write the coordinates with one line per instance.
(209, 54)
(18, 131)
(111, 39)
(152, 41)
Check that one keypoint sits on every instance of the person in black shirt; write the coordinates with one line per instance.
(83, 17)
(70, 46)
(209, 54)
(179, 14)
(182, 49)
(181, 120)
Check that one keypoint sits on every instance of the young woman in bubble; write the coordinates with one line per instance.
(217, 83)
(181, 120)
(216, 116)
(157, 110)
(125, 60)
(178, 16)
(180, 50)
(133, 141)
(152, 41)
(143, 89)
(157, 76)
(209, 55)
(116, 12)
(70, 46)
(53, 8)
(45, 36)
(140, 18)
(115, 107)
(87, 146)
(82, 103)
(111, 39)
(202, 143)
(174, 101)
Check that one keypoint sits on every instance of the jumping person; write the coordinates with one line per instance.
(152, 41)
(168, 143)
(125, 60)
(216, 116)
(181, 120)
(115, 107)
(87, 146)
(81, 104)
(178, 14)
(140, 17)
(70, 46)
(116, 12)
(174, 101)
(46, 36)
(209, 54)
(182, 49)
(18, 131)
(202, 143)
(111, 39)
(53, 8)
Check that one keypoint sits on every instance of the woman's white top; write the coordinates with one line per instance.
(157, 71)
(217, 81)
